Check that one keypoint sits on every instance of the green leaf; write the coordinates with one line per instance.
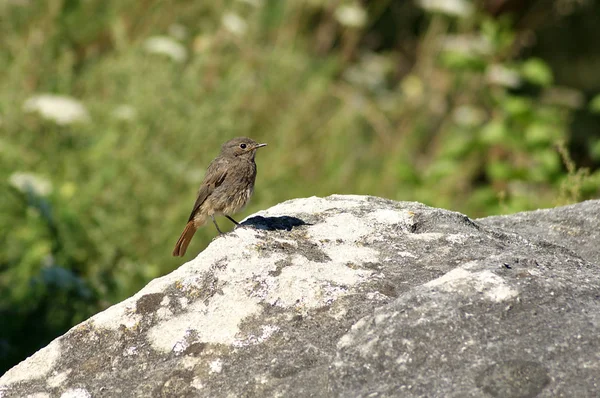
(494, 132)
(460, 61)
(595, 104)
(547, 163)
(441, 169)
(517, 106)
(537, 72)
(498, 170)
(595, 150)
(541, 133)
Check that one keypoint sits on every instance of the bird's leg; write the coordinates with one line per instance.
(216, 225)
(232, 220)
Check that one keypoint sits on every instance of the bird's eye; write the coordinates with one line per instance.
(243, 146)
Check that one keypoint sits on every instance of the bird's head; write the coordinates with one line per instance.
(241, 147)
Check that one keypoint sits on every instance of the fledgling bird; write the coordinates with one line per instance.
(226, 189)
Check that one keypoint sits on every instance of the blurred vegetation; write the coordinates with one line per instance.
(457, 104)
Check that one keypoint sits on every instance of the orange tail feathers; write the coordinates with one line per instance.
(185, 239)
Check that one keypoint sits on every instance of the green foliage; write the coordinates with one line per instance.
(595, 104)
(90, 210)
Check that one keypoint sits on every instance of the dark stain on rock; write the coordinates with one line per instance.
(195, 349)
(177, 385)
(312, 252)
(305, 248)
(372, 265)
(387, 289)
(513, 379)
(524, 274)
(148, 303)
(281, 371)
(279, 265)
(307, 359)
(209, 286)
(414, 228)
(220, 264)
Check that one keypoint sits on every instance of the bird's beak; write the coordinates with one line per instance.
(259, 146)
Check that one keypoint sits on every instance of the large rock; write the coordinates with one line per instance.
(351, 296)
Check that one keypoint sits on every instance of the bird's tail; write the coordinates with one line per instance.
(184, 239)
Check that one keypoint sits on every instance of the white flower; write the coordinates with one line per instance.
(467, 44)
(178, 31)
(467, 115)
(165, 45)
(58, 108)
(28, 182)
(370, 72)
(352, 16)
(234, 23)
(124, 112)
(502, 76)
(457, 8)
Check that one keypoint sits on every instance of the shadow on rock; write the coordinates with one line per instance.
(274, 223)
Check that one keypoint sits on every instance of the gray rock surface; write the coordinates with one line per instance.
(351, 296)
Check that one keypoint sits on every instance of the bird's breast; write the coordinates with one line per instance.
(236, 190)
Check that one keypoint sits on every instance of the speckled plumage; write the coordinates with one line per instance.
(226, 188)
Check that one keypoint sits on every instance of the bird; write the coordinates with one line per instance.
(226, 189)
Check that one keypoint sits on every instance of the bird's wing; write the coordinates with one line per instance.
(215, 175)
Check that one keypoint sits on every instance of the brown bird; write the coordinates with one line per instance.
(226, 189)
